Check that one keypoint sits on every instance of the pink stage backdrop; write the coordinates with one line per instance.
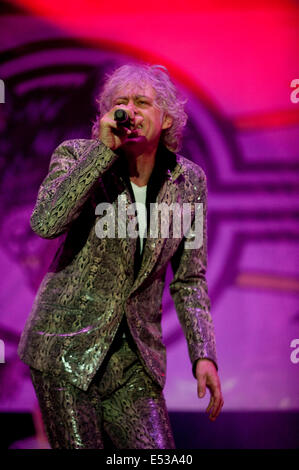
(236, 66)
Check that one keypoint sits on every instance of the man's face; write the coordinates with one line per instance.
(147, 119)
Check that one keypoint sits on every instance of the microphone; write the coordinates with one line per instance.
(122, 118)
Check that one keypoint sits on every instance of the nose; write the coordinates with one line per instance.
(132, 107)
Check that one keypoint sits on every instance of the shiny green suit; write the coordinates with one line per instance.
(93, 283)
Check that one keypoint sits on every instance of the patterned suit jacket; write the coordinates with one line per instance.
(91, 283)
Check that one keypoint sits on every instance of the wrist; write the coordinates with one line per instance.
(196, 364)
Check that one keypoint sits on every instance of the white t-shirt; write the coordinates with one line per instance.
(140, 197)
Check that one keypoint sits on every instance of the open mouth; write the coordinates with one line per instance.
(134, 133)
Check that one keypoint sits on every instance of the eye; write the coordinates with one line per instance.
(119, 101)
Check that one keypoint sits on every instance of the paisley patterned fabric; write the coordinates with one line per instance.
(93, 283)
(123, 407)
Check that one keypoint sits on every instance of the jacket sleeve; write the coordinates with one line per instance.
(189, 290)
(74, 168)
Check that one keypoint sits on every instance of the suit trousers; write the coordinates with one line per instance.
(123, 408)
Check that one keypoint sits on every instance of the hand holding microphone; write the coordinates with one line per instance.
(114, 127)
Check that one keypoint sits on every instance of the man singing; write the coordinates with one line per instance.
(93, 340)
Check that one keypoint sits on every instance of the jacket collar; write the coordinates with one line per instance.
(160, 189)
(166, 167)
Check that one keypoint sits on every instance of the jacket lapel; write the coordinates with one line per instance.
(160, 189)
(128, 245)
(153, 246)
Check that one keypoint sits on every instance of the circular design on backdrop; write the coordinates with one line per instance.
(50, 97)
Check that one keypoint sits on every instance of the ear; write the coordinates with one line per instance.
(167, 121)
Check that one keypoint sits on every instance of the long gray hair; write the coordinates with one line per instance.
(168, 98)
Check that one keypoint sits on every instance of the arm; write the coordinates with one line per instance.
(68, 184)
(190, 293)
(73, 172)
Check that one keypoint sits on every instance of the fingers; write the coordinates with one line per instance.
(201, 387)
(216, 402)
(215, 406)
(110, 133)
(210, 404)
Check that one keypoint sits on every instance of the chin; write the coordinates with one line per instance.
(136, 140)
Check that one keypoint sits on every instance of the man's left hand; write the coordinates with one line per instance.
(207, 376)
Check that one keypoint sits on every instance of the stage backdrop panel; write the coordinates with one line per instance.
(235, 65)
